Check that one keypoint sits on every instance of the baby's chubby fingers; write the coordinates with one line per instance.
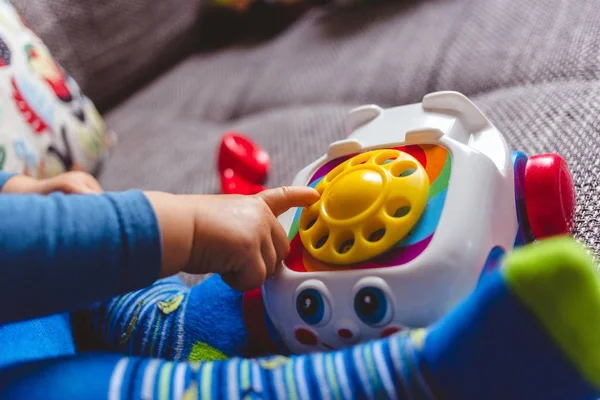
(252, 276)
(237, 237)
(70, 183)
(280, 241)
(283, 198)
(269, 255)
(280, 200)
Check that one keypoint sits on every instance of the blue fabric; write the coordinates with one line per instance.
(470, 352)
(36, 339)
(59, 378)
(58, 253)
(167, 319)
(361, 373)
(61, 252)
(214, 316)
(492, 262)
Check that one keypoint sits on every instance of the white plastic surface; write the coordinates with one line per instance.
(479, 214)
(343, 147)
(360, 116)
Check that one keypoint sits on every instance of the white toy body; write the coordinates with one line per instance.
(478, 215)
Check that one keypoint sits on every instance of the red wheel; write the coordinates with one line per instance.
(549, 195)
(240, 154)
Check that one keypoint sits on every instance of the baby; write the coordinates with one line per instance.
(67, 247)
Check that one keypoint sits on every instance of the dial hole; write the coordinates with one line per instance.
(407, 172)
(346, 246)
(377, 235)
(334, 173)
(309, 217)
(362, 159)
(344, 242)
(374, 230)
(403, 169)
(401, 212)
(321, 241)
(386, 157)
(319, 235)
(398, 208)
(311, 223)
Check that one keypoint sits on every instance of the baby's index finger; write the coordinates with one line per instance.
(283, 198)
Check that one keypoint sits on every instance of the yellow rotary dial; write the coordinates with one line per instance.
(368, 204)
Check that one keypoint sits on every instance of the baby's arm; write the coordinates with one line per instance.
(172, 321)
(68, 251)
(60, 252)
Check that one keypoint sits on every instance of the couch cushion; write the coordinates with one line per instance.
(179, 155)
(531, 65)
(390, 53)
(372, 54)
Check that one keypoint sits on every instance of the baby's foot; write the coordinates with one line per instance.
(531, 330)
(172, 321)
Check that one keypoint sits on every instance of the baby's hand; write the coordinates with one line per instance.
(69, 183)
(238, 237)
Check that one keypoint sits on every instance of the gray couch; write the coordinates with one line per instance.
(172, 77)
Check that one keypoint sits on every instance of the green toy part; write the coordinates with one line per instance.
(566, 264)
(203, 352)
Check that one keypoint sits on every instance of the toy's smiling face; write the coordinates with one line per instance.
(317, 303)
(365, 312)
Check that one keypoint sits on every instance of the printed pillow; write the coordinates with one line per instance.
(47, 125)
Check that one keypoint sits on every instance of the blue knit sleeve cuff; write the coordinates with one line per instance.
(142, 239)
(5, 176)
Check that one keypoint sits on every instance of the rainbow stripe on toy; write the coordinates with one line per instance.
(437, 161)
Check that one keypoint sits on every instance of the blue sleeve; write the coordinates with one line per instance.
(4, 176)
(62, 252)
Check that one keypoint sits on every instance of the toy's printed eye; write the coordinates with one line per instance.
(312, 307)
(371, 306)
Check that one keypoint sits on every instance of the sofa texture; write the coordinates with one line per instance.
(173, 76)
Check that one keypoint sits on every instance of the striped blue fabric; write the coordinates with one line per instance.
(168, 319)
(136, 325)
(362, 372)
(491, 346)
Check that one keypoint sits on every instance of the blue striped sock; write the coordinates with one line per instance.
(377, 370)
(529, 331)
(172, 321)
